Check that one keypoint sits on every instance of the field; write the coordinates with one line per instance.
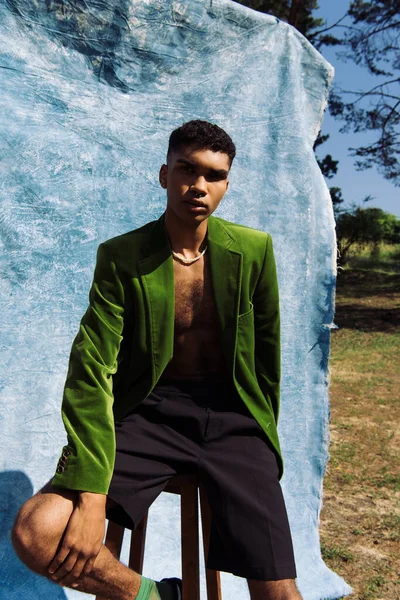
(360, 518)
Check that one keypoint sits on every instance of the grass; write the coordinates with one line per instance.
(336, 553)
(360, 518)
(385, 257)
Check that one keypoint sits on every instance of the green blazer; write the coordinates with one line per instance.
(126, 338)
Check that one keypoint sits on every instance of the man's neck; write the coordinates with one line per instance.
(183, 238)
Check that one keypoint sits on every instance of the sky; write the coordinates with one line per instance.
(355, 185)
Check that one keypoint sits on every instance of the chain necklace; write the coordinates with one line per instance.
(188, 261)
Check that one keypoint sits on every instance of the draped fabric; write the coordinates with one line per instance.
(90, 92)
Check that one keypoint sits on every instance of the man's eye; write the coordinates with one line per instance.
(187, 168)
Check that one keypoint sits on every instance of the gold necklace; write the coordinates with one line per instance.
(188, 261)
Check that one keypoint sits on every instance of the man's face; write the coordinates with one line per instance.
(196, 181)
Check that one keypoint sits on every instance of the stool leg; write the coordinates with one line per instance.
(136, 555)
(190, 542)
(213, 577)
(114, 538)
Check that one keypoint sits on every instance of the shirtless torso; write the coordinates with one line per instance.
(197, 346)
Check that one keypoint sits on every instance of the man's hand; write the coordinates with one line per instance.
(82, 540)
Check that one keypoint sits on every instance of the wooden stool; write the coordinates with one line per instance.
(186, 486)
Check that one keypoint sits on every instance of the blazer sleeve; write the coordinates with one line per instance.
(87, 462)
(267, 330)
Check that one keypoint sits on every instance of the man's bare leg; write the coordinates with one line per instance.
(283, 589)
(36, 537)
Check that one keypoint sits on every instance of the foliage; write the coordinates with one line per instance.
(372, 42)
(328, 166)
(365, 226)
(295, 12)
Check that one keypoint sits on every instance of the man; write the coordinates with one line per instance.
(175, 369)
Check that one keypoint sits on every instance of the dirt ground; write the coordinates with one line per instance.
(360, 518)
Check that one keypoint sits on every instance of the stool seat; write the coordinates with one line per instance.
(188, 487)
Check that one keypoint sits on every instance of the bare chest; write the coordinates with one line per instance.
(194, 300)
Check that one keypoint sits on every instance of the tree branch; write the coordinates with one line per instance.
(331, 26)
(389, 115)
(374, 31)
(372, 92)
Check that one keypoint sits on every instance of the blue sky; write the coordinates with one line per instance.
(355, 185)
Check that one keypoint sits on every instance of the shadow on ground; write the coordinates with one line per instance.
(17, 581)
(378, 293)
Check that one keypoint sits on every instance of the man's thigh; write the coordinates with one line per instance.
(51, 504)
(250, 535)
(148, 454)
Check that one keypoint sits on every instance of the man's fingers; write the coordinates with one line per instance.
(85, 571)
(80, 546)
(74, 575)
(66, 567)
(59, 559)
(88, 567)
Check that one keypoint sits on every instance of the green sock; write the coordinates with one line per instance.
(151, 590)
(148, 590)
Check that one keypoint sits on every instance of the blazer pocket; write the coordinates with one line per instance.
(246, 343)
(248, 312)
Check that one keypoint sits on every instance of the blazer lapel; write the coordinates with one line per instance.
(226, 276)
(157, 277)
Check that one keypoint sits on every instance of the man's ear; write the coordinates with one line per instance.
(162, 177)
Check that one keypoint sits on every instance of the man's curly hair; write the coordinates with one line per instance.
(201, 135)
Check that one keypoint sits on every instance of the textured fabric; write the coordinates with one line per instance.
(89, 94)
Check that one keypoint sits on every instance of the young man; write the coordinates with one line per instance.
(175, 369)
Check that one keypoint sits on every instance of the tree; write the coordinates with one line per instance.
(328, 168)
(371, 41)
(367, 226)
(296, 12)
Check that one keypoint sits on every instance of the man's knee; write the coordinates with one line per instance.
(38, 528)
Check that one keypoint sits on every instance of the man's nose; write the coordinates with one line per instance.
(199, 185)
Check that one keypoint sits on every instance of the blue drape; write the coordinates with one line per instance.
(89, 94)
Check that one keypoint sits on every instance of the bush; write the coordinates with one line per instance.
(366, 227)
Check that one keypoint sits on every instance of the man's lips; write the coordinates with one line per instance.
(195, 202)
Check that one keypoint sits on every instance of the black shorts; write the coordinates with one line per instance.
(186, 427)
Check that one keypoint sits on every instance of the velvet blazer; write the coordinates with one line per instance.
(126, 339)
